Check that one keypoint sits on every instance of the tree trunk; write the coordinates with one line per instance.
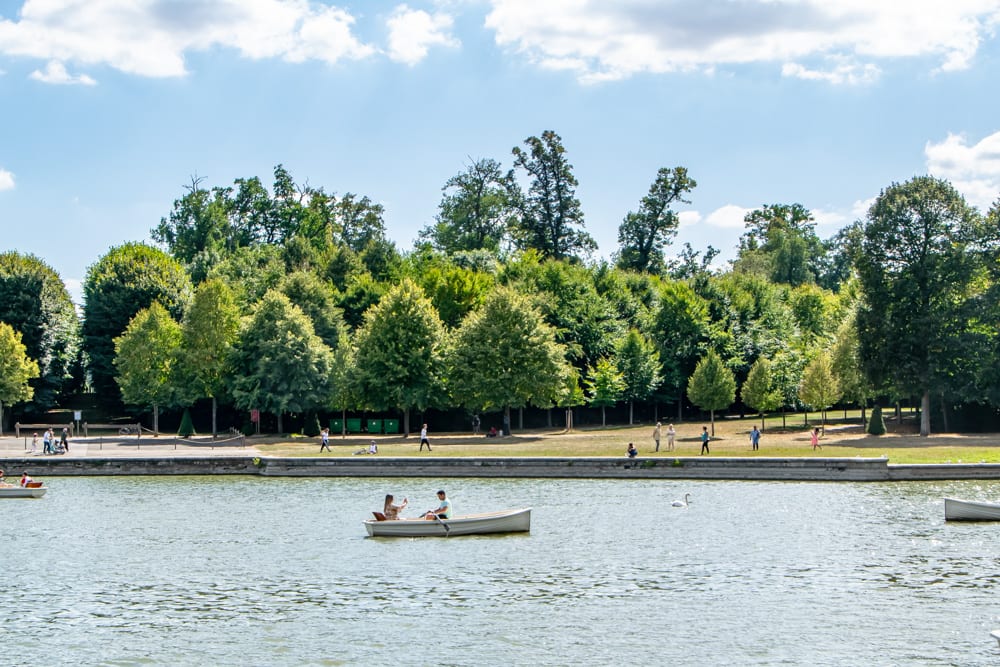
(280, 429)
(631, 409)
(1, 417)
(548, 417)
(343, 423)
(656, 412)
(944, 416)
(864, 420)
(783, 424)
(925, 414)
(603, 421)
(215, 429)
(762, 421)
(505, 428)
(156, 420)
(406, 423)
(680, 411)
(520, 419)
(899, 413)
(712, 413)
(805, 417)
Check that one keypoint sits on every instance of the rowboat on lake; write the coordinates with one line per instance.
(33, 490)
(970, 510)
(509, 521)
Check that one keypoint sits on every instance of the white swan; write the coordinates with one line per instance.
(682, 503)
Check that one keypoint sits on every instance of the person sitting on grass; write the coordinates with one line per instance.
(631, 451)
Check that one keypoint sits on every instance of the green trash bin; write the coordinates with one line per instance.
(336, 426)
(354, 425)
(391, 425)
(374, 425)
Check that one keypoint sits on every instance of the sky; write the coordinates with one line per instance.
(108, 108)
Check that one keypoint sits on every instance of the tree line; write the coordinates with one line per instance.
(292, 300)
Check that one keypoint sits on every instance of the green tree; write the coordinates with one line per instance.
(712, 386)
(505, 356)
(209, 331)
(16, 369)
(846, 364)
(783, 237)
(605, 385)
(127, 279)
(359, 221)
(145, 357)
(758, 390)
(551, 217)
(639, 362)
(198, 223)
(34, 301)
(876, 426)
(643, 235)
(680, 326)
(399, 356)
(476, 210)
(279, 363)
(919, 259)
(819, 389)
(318, 300)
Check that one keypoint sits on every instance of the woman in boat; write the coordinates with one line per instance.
(25, 480)
(392, 511)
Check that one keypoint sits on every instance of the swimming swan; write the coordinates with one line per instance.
(682, 503)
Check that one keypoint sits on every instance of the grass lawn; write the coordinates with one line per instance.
(843, 438)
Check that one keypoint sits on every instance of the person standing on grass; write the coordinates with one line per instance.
(324, 440)
(670, 438)
(754, 437)
(814, 439)
(656, 435)
(704, 440)
(423, 439)
(64, 440)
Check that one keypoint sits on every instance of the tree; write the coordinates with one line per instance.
(819, 388)
(846, 365)
(145, 357)
(643, 235)
(605, 385)
(127, 279)
(210, 328)
(16, 369)
(318, 301)
(919, 259)
(34, 301)
(279, 363)
(197, 224)
(505, 356)
(476, 210)
(639, 363)
(551, 218)
(360, 221)
(876, 426)
(680, 326)
(758, 390)
(712, 386)
(399, 356)
(783, 237)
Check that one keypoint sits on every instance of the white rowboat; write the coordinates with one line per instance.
(970, 510)
(21, 492)
(509, 521)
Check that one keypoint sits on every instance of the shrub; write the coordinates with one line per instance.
(310, 425)
(186, 429)
(876, 425)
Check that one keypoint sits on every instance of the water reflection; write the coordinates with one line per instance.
(135, 571)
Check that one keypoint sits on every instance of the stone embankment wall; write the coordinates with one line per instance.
(793, 469)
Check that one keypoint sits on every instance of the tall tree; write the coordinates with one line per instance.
(127, 279)
(197, 224)
(476, 210)
(210, 328)
(758, 390)
(16, 369)
(505, 356)
(917, 267)
(643, 235)
(680, 326)
(360, 221)
(712, 386)
(605, 385)
(145, 357)
(279, 363)
(400, 351)
(820, 388)
(783, 237)
(34, 300)
(639, 362)
(551, 217)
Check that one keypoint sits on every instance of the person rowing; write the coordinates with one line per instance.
(443, 510)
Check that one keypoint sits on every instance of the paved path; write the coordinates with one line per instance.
(11, 447)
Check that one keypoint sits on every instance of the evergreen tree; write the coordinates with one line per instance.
(876, 425)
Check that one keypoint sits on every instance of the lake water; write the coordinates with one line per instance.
(253, 571)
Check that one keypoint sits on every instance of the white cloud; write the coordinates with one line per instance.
(413, 31)
(973, 169)
(729, 216)
(55, 72)
(688, 219)
(607, 40)
(151, 37)
(6, 180)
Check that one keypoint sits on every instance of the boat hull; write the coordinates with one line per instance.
(970, 510)
(21, 492)
(512, 521)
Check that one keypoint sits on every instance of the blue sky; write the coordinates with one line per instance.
(109, 107)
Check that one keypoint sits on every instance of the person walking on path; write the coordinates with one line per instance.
(670, 438)
(656, 435)
(475, 424)
(64, 440)
(423, 439)
(324, 440)
(814, 439)
(704, 440)
(754, 437)
(34, 444)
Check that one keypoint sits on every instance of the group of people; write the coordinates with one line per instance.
(671, 434)
(49, 443)
(443, 511)
(25, 479)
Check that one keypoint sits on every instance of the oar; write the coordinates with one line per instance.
(447, 528)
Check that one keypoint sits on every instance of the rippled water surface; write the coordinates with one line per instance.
(248, 571)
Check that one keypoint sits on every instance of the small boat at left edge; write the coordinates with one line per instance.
(23, 492)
